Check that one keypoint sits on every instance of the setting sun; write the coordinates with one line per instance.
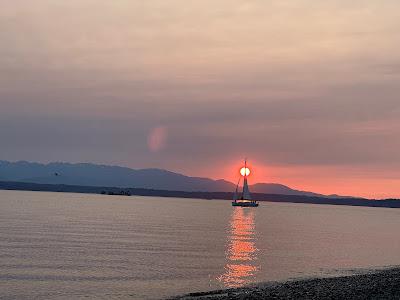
(245, 171)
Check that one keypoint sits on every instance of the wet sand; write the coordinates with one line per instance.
(383, 284)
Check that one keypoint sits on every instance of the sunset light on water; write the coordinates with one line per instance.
(241, 253)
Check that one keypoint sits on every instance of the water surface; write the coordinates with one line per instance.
(72, 246)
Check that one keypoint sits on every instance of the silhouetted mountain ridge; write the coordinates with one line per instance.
(88, 174)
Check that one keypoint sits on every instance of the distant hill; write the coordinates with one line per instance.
(276, 188)
(280, 189)
(101, 175)
(86, 174)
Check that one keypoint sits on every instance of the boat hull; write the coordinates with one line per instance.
(245, 204)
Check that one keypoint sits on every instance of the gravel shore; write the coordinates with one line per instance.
(384, 284)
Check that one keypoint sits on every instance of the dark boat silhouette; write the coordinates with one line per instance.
(244, 199)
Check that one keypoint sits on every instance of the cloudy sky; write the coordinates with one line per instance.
(308, 90)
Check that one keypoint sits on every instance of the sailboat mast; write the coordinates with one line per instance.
(245, 176)
(246, 193)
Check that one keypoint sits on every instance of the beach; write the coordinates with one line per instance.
(382, 284)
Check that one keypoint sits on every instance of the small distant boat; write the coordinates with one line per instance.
(244, 199)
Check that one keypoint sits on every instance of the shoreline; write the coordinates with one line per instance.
(118, 191)
(374, 284)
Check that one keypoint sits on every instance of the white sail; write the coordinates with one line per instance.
(246, 192)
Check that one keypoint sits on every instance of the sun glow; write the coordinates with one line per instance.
(245, 171)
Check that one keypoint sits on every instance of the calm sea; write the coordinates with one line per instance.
(75, 246)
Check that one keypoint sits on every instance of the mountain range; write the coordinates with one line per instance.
(87, 174)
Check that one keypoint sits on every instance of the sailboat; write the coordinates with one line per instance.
(244, 199)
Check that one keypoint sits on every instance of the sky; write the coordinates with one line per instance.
(307, 90)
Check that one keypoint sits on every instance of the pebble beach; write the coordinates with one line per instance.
(383, 284)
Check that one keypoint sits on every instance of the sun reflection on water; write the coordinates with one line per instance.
(241, 252)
